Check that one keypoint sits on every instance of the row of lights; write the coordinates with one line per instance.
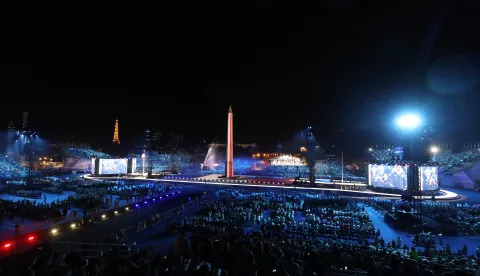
(432, 149)
(31, 238)
(226, 180)
(8, 245)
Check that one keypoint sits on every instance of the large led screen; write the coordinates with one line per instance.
(113, 166)
(93, 165)
(134, 165)
(386, 176)
(428, 178)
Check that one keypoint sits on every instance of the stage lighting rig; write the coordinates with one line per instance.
(27, 137)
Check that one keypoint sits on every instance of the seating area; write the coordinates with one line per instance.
(242, 166)
(82, 195)
(9, 168)
(85, 153)
(465, 217)
(323, 170)
(250, 233)
(450, 162)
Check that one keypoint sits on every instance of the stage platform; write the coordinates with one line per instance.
(443, 195)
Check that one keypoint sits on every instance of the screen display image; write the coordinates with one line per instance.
(113, 166)
(93, 165)
(428, 178)
(386, 176)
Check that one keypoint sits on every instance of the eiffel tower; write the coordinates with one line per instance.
(116, 139)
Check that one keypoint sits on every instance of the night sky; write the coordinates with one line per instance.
(344, 65)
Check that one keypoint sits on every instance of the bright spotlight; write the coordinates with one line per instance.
(73, 225)
(54, 231)
(103, 216)
(434, 149)
(409, 121)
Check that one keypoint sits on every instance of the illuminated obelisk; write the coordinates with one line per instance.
(229, 162)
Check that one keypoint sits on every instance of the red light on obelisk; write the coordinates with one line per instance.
(229, 162)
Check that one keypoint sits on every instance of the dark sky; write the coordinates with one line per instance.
(351, 65)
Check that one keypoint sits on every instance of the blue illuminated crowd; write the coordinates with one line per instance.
(242, 167)
(9, 168)
(86, 153)
(325, 170)
(450, 162)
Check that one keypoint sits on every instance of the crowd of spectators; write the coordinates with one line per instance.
(242, 166)
(86, 153)
(84, 195)
(465, 217)
(450, 162)
(9, 168)
(323, 170)
(131, 189)
(303, 214)
(35, 194)
(233, 236)
(38, 209)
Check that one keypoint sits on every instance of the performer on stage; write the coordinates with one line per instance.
(398, 178)
(429, 181)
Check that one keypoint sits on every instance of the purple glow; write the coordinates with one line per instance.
(145, 202)
(136, 205)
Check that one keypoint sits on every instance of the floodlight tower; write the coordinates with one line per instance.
(311, 154)
(28, 137)
(409, 124)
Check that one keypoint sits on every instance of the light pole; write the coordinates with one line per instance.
(342, 167)
(143, 163)
(409, 122)
(434, 151)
